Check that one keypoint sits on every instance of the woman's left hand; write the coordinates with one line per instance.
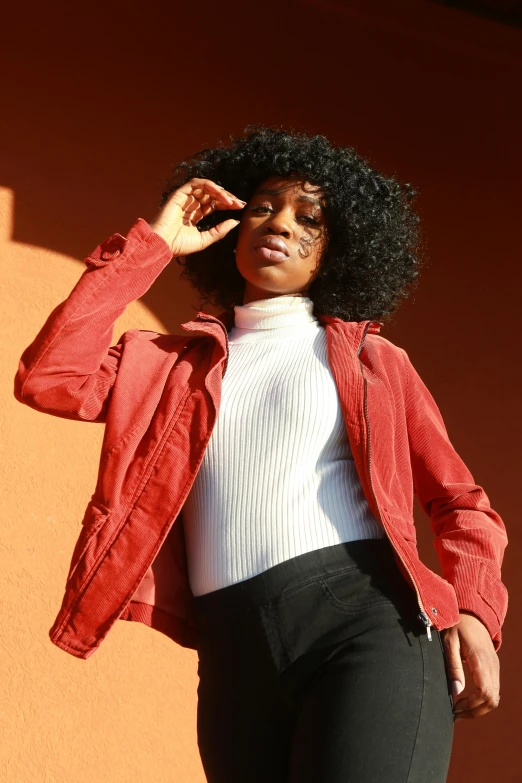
(469, 642)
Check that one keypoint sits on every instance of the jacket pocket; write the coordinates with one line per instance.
(402, 525)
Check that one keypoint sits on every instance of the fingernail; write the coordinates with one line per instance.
(457, 687)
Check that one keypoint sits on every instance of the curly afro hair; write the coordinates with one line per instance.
(372, 257)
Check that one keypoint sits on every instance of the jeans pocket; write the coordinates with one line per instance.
(354, 589)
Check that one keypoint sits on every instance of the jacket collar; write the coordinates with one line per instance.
(353, 331)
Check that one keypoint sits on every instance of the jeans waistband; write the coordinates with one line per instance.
(369, 554)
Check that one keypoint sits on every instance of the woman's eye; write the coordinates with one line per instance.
(265, 208)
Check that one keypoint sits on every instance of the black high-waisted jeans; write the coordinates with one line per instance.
(320, 671)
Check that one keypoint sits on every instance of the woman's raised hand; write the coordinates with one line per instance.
(177, 220)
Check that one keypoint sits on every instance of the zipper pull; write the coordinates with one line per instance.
(427, 622)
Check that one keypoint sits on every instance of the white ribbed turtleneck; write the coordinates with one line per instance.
(288, 314)
(277, 478)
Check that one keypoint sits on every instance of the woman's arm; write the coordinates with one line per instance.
(470, 537)
(70, 367)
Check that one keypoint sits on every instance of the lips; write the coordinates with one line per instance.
(272, 248)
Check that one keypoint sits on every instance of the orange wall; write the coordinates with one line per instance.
(96, 106)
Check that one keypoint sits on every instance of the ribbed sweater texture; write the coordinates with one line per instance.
(277, 478)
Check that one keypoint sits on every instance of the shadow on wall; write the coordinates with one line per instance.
(138, 692)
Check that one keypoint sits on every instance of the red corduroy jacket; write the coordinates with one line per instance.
(159, 397)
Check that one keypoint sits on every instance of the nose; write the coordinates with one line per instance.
(279, 225)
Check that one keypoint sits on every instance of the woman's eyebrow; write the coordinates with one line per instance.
(268, 192)
(311, 200)
(273, 192)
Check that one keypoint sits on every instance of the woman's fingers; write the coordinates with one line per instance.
(485, 695)
(177, 220)
(453, 659)
(221, 201)
(193, 215)
(202, 184)
(209, 190)
(216, 233)
(478, 652)
(193, 218)
(206, 197)
(198, 192)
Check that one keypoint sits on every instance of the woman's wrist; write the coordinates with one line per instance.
(163, 232)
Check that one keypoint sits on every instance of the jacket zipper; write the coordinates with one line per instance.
(422, 615)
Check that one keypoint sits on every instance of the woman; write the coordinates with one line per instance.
(291, 435)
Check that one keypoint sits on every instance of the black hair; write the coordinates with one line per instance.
(373, 255)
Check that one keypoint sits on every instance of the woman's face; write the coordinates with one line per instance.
(284, 212)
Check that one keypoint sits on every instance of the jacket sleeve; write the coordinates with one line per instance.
(470, 537)
(70, 367)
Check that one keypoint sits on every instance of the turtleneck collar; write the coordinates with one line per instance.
(274, 313)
